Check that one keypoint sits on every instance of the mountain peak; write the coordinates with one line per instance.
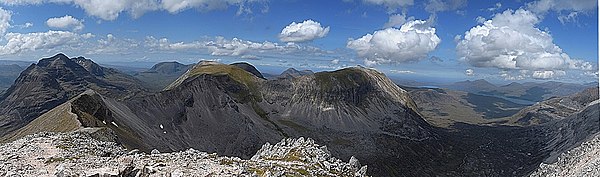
(362, 80)
(292, 72)
(53, 81)
(248, 67)
(45, 62)
(238, 74)
(168, 67)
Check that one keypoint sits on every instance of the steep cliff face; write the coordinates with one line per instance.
(571, 131)
(583, 160)
(53, 81)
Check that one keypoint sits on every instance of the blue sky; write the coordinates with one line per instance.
(527, 40)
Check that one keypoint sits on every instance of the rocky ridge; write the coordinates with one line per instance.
(556, 108)
(583, 160)
(81, 153)
(53, 81)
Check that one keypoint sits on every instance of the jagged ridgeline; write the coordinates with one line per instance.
(52, 81)
(232, 110)
(221, 108)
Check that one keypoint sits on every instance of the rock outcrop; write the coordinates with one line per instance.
(583, 160)
(82, 154)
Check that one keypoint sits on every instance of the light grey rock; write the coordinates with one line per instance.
(79, 154)
(583, 160)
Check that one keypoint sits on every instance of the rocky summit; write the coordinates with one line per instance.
(84, 153)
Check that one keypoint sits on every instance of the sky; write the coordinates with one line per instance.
(430, 40)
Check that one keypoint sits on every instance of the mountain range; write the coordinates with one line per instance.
(529, 91)
(232, 109)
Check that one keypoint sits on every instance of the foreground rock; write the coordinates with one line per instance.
(78, 154)
(583, 160)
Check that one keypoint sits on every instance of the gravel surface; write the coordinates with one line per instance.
(78, 154)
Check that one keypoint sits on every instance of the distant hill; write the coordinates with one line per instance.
(292, 73)
(556, 108)
(530, 91)
(22, 64)
(8, 74)
(444, 107)
(249, 68)
(161, 75)
(480, 85)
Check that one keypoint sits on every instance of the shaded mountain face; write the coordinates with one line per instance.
(556, 108)
(249, 68)
(479, 85)
(54, 80)
(8, 75)
(169, 68)
(567, 133)
(292, 73)
(161, 75)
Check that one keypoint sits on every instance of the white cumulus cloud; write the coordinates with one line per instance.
(543, 6)
(391, 5)
(111, 9)
(19, 43)
(65, 22)
(547, 74)
(335, 61)
(301, 32)
(568, 9)
(412, 42)
(397, 20)
(469, 72)
(497, 6)
(174, 6)
(219, 46)
(5, 17)
(511, 40)
(402, 71)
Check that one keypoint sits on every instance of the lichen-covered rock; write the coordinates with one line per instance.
(297, 154)
(583, 160)
(79, 154)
